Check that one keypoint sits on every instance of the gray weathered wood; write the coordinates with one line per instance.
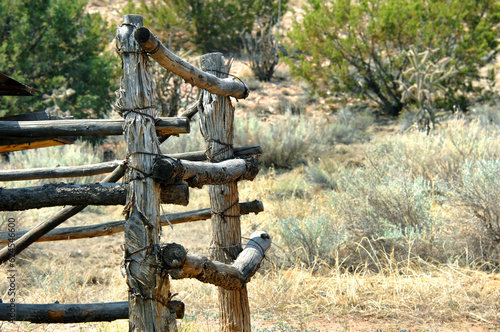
(212, 83)
(58, 194)
(230, 277)
(216, 125)
(73, 313)
(112, 227)
(85, 127)
(198, 174)
(58, 172)
(149, 288)
(54, 221)
(100, 168)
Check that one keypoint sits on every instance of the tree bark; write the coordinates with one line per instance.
(59, 194)
(229, 277)
(171, 62)
(216, 118)
(149, 288)
(86, 127)
(197, 174)
(112, 227)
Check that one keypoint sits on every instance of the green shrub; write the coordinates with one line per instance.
(311, 240)
(386, 203)
(289, 140)
(212, 25)
(360, 47)
(55, 44)
(479, 193)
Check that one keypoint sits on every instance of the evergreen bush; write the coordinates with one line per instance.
(360, 47)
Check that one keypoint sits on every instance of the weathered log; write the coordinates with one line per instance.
(230, 277)
(197, 174)
(84, 127)
(217, 127)
(58, 172)
(149, 289)
(58, 194)
(100, 168)
(109, 228)
(171, 62)
(62, 215)
(73, 313)
(239, 152)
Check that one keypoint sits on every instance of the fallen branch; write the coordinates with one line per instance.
(231, 277)
(59, 194)
(171, 62)
(74, 313)
(197, 174)
(109, 228)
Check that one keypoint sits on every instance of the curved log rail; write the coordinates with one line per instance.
(171, 62)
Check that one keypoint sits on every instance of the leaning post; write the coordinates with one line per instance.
(216, 118)
(149, 288)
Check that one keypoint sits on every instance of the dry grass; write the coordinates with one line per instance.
(380, 290)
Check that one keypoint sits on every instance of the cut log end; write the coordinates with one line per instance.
(142, 35)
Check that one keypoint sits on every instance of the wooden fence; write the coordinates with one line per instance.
(151, 179)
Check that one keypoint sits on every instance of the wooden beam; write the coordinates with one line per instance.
(171, 62)
(94, 169)
(84, 127)
(217, 127)
(149, 290)
(109, 228)
(229, 277)
(73, 313)
(198, 174)
(58, 172)
(59, 194)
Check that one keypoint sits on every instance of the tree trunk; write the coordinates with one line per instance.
(216, 119)
(149, 288)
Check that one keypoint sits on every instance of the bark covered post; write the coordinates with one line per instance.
(216, 119)
(149, 287)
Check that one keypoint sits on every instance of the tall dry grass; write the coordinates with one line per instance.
(373, 232)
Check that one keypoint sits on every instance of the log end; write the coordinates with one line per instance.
(173, 255)
(142, 35)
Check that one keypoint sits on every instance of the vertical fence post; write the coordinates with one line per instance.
(149, 288)
(216, 119)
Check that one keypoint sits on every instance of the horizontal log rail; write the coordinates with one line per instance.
(58, 172)
(231, 277)
(109, 228)
(85, 127)
(171, 62)
(101, 168)
(58, 194)
(74, 313)
(197, 174)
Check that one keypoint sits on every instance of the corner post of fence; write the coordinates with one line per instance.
(149, 287)
(216, 118)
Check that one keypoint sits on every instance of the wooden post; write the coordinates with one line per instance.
(216, 119)
(149, 288)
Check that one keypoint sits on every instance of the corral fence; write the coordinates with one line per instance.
(151, 178)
